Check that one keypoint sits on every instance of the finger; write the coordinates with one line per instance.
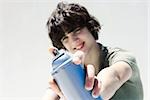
(53, 51)
(76, 60)
(54, 87)
(78, 57)
(90, 74)
(50, 95)
(96, 88)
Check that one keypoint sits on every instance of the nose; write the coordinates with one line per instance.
(74, 41)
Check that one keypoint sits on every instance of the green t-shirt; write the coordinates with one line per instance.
(132, 89)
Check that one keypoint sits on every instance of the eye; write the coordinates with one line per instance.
(77, 31)
(64, 39)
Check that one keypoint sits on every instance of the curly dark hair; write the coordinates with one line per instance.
(67, 17)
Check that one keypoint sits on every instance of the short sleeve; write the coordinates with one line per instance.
(117, 54)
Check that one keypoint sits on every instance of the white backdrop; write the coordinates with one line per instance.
(24, 42)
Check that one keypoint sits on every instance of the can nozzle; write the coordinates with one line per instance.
(55, 52)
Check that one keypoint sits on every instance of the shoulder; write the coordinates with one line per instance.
(117, 54)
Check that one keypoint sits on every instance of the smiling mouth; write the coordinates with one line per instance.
(79, 47)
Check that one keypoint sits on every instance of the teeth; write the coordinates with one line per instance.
(80, 46)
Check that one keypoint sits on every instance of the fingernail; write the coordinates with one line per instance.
(88, 86)
(94, 95)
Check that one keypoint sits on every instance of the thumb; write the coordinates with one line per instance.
(78, 57)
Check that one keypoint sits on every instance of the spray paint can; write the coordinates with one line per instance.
(70, 77)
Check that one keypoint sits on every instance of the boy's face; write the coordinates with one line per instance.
(79, 39)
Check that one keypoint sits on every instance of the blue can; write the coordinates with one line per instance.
(70, 77)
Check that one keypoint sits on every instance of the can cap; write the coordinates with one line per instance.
(61, 56)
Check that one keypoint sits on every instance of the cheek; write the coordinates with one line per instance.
(84, 36)
(68, 47)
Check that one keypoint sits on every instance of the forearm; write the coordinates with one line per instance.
(112, 78)
(109, 83)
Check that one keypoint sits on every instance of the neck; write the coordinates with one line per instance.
(93, 57)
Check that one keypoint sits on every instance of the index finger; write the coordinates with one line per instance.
(90, 77)
(54, 86)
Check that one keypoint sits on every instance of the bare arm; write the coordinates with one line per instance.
(113, 77)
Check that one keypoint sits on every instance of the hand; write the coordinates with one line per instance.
(55, 88)
(52, 82)
(91, 81)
